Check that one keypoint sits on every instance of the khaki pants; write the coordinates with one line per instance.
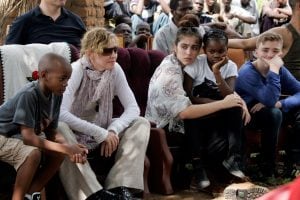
(80, 181)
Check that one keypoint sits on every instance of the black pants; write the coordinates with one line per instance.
(210, 134)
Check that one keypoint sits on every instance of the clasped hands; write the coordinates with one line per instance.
(78, 152)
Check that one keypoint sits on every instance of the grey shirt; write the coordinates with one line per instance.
(164, 39)
(31, 108)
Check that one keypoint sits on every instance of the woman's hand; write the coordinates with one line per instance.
(217, 66)
(109, 145)
(232, 100)
(246, 115)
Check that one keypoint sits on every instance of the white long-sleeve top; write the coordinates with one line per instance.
(121, 89)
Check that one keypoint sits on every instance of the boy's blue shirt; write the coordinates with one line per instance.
(254, 88)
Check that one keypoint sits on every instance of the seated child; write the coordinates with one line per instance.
(142, 36)
(28, 123)
(212, 77)
(260, 83)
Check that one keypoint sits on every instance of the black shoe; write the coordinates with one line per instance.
(123, 192)
(104, 195)
(233, 168)
(267, 170)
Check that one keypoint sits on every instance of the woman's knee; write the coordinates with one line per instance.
(141, 127)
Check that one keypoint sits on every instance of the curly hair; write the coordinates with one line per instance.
(96, 39)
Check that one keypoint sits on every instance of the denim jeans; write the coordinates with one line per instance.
(268, 120)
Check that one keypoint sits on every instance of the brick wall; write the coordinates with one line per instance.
(91, 12)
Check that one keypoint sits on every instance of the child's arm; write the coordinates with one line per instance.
(226, 87)
(188, 87)
(77, 153)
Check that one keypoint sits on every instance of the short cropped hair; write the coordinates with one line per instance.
(268, 36)
(96, 39)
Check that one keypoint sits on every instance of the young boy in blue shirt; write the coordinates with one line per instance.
(24, 118)
(260, 83)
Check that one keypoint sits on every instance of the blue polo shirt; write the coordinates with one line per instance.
(35, 27)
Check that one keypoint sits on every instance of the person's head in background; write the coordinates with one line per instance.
(215, 45)
(227, 3)
(100, 48)
(210, 3)
(245, 3)
(187, 45)
(123, 19)
(124, 30)
(268, 45)
(143, 28)
(179, 8)
(198, 6)
(189, 20)
(212, 6)
(281, 3)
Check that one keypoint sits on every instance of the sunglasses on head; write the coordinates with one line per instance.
(109, 51)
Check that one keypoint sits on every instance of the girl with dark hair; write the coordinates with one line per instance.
(168, 104)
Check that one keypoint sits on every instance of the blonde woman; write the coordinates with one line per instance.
(87, 115)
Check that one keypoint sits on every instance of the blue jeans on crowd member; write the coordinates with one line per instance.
(268, 120)
(161, 20)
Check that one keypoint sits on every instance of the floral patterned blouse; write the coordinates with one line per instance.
(166, 96)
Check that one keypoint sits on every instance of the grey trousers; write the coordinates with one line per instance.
(80, 181)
